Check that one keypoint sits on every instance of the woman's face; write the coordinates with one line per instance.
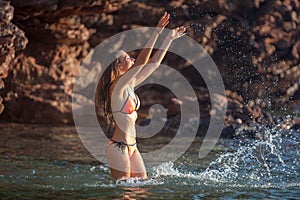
(125, 62)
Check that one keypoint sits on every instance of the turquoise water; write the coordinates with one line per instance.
(236, 168)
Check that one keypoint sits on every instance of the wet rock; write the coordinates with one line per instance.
(37, 102)
(59, 34)
(290, 122)
(254, 44)
(12, 39)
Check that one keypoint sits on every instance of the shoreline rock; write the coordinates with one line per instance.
(254, 45)
(12, 39)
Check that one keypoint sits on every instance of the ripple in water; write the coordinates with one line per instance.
(271, 162)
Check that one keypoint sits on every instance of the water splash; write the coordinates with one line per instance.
(137, 182)
(271, 162)
(168, 169)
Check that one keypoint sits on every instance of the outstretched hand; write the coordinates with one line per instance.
(177, 32)
(164, 21)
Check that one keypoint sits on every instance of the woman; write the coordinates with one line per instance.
(119, 103)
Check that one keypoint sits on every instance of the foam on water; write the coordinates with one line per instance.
(137, 182)
(269, 162)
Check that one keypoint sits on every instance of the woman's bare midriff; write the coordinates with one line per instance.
(126, 134)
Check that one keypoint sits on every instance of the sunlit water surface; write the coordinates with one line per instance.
(239, 168)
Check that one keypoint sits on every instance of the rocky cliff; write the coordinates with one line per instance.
(12, 39)
(255, 45)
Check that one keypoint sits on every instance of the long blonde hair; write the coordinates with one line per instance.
(102, 96)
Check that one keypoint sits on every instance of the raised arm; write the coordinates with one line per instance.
(145, 53)
(157, 58)
(130, 76)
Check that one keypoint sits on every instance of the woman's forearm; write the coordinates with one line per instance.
(144, 55)
(173, 34)
(157, 58)
(161, 52)
(132, 75)
(154, 62)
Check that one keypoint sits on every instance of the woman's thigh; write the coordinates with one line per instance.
(137, 165)
(119, 161)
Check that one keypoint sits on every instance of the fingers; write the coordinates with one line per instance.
(181, 29)
(165, 19)
(166, 15)
(177, 32)
(165, 23)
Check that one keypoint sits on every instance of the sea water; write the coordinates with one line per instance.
(236, 168)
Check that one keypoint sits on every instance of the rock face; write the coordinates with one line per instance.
(12, 39)
(40, 81)
(255, 45)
